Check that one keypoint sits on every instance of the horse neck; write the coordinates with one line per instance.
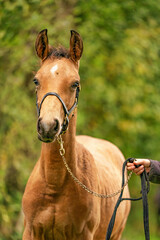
(52, 166)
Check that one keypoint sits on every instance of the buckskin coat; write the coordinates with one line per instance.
(54, 205)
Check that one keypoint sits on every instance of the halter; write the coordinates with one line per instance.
(66, 111)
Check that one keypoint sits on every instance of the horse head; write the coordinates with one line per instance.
(57, 84)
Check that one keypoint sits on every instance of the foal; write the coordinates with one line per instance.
(55, 203)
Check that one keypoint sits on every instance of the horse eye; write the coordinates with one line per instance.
(36, 82)
(75, 85)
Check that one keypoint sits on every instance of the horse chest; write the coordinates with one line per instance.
(58, 217)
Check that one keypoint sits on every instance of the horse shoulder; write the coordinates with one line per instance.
(108, 160)
(102, 150)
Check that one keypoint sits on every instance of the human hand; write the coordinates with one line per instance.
(144, 163)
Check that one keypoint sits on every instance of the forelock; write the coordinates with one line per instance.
(59, 52)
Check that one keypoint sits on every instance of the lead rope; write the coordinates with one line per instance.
(62, 153)
(145, 190)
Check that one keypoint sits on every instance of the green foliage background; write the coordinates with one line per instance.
(119, 101)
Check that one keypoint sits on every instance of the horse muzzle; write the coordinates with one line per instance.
(47, 131)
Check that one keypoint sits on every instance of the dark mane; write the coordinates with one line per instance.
(59, 52)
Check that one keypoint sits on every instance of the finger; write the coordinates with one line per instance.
(139, 169)
(140, 172)
(130, 168)
(130, 165)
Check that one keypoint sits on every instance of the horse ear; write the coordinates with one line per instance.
(41, 45)
(76, 46)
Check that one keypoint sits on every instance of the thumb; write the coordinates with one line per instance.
(139, 161)
(145, 162)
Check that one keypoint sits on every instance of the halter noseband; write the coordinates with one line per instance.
(66, 111)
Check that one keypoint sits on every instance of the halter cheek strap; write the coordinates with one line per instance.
(66, 111)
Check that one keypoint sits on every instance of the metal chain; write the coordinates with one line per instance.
(62, 153)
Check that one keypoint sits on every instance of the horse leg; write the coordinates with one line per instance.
(117, 235)
(26, 234)
(31, 233)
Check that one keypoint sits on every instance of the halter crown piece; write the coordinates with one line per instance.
(66, 111)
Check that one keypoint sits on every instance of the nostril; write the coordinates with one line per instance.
(56, 125)
(39, 124)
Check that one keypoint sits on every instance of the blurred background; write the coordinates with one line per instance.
(119, 101)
